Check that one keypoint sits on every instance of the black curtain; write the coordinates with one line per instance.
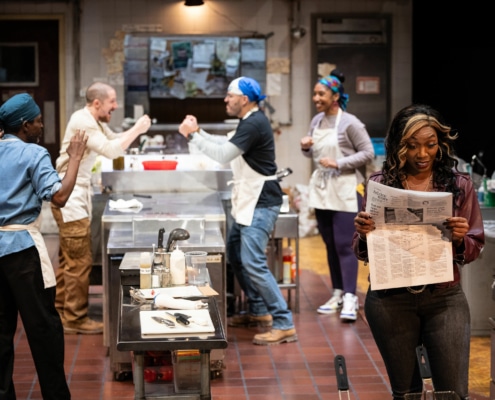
(452, 72)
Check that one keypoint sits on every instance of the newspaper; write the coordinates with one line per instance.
(410, 245)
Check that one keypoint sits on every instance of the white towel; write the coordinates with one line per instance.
(125, 205)
(165, 301)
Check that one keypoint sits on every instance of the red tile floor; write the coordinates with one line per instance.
(302, 370)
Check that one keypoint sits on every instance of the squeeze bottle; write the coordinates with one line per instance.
(287, 261)
(178, 267)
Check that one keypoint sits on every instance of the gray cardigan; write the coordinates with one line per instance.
(354, 142)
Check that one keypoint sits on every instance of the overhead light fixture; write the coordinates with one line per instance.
(194, 2)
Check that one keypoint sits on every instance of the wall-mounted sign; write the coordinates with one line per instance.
(368, 85)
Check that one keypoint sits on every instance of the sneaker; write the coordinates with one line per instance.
(275, 336)
(244, 320)
(350, 307)
(332, 305)
(87, 327)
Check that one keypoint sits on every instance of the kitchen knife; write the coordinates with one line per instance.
(180, 318)
(164, 321)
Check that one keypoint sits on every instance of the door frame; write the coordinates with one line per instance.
(61, 59)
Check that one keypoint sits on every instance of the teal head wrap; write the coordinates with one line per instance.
(334, 84)
(17, 109)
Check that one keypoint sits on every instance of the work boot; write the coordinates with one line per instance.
(245, 320)
(275, 336)
(87, 327)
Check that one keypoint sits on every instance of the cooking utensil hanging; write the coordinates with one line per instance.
(429, 391)
(341, 374)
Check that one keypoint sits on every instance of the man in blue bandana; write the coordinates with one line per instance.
(256, 200)
(27, 279)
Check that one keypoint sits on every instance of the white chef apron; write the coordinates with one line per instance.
(34, 230)
(328, 188)
(246, 190)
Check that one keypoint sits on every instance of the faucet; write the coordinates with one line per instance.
(476, 160)
(174, 235)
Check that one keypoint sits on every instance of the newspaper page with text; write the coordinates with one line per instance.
(410, 245)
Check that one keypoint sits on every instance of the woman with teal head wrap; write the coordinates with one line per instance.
(340, 148)
(335, 85)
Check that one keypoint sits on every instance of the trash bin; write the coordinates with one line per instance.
(476, 281)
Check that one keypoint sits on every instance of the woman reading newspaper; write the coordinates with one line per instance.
(420, 157)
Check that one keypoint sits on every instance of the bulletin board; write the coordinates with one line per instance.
(202, 66)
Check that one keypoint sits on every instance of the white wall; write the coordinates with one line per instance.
(102, 24)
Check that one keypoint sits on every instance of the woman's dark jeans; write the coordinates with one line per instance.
(439, 319)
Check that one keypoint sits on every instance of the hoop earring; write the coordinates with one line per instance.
(439, 151)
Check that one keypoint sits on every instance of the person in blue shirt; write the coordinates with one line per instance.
(27, 279)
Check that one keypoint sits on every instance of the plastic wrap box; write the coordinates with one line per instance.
(187, 371)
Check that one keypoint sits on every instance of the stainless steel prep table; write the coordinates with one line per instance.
(129, 338)
(162, 209)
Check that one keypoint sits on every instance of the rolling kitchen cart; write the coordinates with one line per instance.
(130, 338)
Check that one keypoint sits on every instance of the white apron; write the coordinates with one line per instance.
(328, 189)
(246, 191)
(247, 188)
(34, 230)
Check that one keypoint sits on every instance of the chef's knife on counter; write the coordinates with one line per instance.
(181, 318)
(164, 321)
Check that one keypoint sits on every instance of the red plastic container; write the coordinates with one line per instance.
(160, 165)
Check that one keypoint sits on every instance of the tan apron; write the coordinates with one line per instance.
(34, 230)
(247, 188)
(328, 189)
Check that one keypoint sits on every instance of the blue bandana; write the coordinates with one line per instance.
(244, 86)
(17, 109)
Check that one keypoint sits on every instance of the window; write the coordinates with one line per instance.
(19, 64)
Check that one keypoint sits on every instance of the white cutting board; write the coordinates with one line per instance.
(151, 328)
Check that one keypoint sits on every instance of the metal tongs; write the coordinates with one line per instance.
(137, 295)
(281, 174)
